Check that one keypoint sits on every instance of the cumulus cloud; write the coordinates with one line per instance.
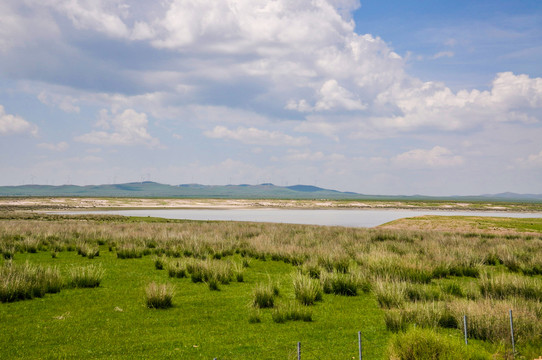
(61, 146)
(14, 124)
(255, 136)
(511, 98)
(257, 72)
(437, 157)
(127, 128)
(302, 56)
(332, 97)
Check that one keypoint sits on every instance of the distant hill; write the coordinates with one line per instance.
(149, 189)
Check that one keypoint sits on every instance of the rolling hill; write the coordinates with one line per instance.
(149, 189)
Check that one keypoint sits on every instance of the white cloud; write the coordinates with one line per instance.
(345, 7)
(511, 98)
(127, 128)
(442, 54)
(301, 105)
(63, 102)
(512, 91)
(20, 29)
(303, 56)
(319, 126)
(437, 157)
(304, 156)
(14, 124)
(531, 161)
(236, 26)
(255, 136)
(97, 15)
(236, 67)
(61, 146)
(333, 96)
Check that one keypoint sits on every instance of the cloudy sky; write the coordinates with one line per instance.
(378, 97)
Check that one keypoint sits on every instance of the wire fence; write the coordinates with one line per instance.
(504, 329)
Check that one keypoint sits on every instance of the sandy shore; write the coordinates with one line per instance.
(73, 203)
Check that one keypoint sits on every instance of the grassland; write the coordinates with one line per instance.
(404, 289)
(463, 224)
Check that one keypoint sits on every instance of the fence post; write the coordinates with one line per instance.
(299, 350)
(465, 328)
(359, 344)
(512, 333)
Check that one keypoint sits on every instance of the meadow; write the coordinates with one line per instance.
(113, 287)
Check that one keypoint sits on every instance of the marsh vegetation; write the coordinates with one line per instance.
(292, 281)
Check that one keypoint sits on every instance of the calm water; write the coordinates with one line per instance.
(351, 218)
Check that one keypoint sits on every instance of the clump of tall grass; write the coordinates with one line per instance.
(427, 344)
(453, 288)
(488, 319)
(390, 294)
(255, 316)
(213, 283)
(211, 270)
(88, 251)
(159, 296)
(86, 276)
(20, 282)
(311, 269)
(468, 270)
(239, 272)
(291, 312)
(307, 290)
(340, 284)
(398, 268)
(159, 263)
(504, 286)
(29, 245)
(424, 314)
(7, 252)
(263, 295)
(335, 263)
(419, 292)
(384, 236)
(175, 268)
(129, 251)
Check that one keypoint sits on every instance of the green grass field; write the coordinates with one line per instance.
(403, 278)
(112, 320)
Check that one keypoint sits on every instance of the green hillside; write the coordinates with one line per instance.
(149, 189)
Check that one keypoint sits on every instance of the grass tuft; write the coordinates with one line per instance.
(426, 344)
(159, 296)
(291, 312)
(255, 316)
(20, 282)
(263, 296)
(86, 276)
(339, 284)
(307, 290)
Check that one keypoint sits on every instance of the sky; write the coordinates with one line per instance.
(377, 97)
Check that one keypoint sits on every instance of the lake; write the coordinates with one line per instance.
(331, 217)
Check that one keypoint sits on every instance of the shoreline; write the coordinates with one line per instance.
(104, 204)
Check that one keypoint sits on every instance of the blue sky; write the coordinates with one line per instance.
(396, 97)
